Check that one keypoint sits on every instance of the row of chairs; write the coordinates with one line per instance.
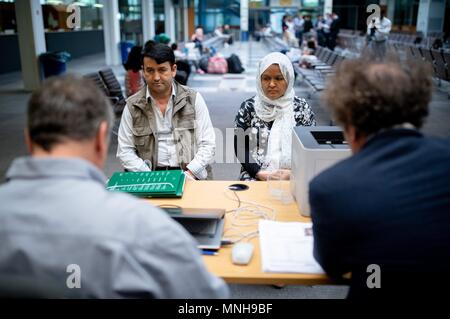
(321, 70)
(106, 80)
(439, 60)
(275, 43)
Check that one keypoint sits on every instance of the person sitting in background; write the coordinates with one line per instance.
(198, 38)
(227, 31)
(437, 44)
(134, 79)
(183, 66)
(384, 213)
(219, 32)
(166, 125)
(263, 125)
(62, 228)
(178, 54)
(308, 54)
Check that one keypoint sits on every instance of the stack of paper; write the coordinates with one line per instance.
(287, 247)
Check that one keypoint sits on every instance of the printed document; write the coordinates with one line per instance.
(287, 247)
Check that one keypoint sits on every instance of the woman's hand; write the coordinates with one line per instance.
(282, 174)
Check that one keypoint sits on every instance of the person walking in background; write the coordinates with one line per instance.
(334, 31)
(307, 27)
(319, 26)
(378, 34)
(134, 80)
(298, 27)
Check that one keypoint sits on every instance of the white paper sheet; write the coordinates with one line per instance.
(287, 247)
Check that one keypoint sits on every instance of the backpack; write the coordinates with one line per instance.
(203, 63)
(234, 64)
(217, 65)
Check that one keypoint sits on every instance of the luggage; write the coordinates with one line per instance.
(217, 65)
(203, 63)
(181, 77)
(234, 64)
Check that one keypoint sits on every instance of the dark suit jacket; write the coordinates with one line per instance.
(389, 205)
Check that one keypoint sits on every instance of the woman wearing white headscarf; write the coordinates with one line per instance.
(268, 118)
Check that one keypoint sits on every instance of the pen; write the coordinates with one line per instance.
(209, 253)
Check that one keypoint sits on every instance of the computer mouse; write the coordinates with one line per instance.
(242, 253)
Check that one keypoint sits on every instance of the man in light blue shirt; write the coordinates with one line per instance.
(60, 228)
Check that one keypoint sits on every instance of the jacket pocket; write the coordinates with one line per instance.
(141, 135)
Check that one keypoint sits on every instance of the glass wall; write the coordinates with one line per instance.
(130, 12)
(158, 8)
(7, 17)
(405, 15)
(214, 13)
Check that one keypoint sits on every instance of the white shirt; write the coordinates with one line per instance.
(383, 27)
(167, 155)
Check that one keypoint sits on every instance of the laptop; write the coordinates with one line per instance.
(204, 224)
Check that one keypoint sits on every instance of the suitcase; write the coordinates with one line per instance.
(203, 63)
(217, 65)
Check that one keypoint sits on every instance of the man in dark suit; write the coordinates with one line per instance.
(383, 214)
(334, 31)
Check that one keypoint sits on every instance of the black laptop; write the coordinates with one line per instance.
(204, 224)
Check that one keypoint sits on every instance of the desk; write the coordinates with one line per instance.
(212, 194)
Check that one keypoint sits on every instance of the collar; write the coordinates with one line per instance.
(56, 167)
(394, 132)
(149, 96)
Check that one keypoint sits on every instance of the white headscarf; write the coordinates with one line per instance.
(281, 111)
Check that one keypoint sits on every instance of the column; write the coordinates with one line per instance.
(148, 20)
(30, 28)
(169, 20)
(390, 10)
(202, 13)
(244, 20)
(111, 31)
(327, 7)
(186, 20)
(430, 17)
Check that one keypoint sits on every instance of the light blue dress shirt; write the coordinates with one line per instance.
(55, 213)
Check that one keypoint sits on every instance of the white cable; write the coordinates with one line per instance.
(247, 216)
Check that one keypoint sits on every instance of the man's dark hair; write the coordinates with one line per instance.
(373, 95)
(66, 108)
(174, 46)
(160, 53)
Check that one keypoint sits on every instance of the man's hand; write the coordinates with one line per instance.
(189, 175)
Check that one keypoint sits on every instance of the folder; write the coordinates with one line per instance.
(163, 184)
